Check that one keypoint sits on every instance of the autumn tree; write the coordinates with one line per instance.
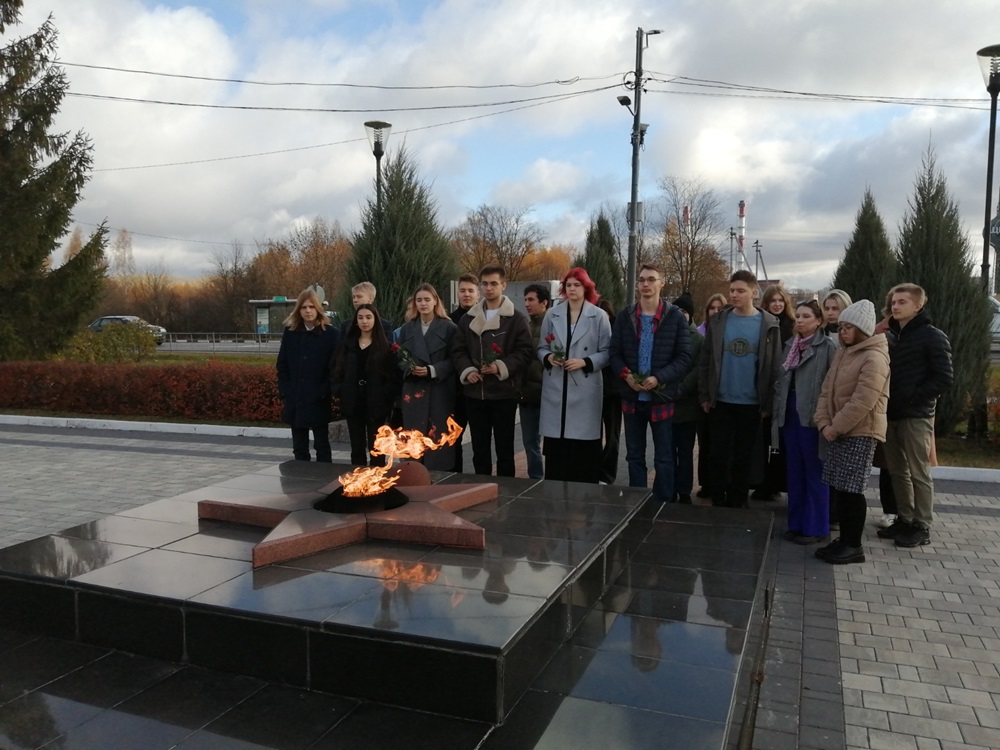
(153, 295)
(230, 287)
(41, 177)
(548, 263)
(691, 229)
(497, 234)
(313, 253)
(934, 252)
(869, 266)
(403, 246)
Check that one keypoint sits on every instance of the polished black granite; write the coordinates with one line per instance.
(624, 630)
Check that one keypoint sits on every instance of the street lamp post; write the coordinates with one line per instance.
(378, 137)
(638, 134)
(989, 62)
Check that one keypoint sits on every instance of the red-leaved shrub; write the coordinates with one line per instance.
(213, 391)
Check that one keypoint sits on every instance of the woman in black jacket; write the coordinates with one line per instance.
(366, 378)
(304, 376)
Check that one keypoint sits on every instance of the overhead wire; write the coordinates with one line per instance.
(381, 87)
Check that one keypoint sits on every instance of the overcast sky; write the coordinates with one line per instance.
(168, 173)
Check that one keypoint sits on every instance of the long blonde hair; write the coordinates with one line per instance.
(294, 319)
(411, 304)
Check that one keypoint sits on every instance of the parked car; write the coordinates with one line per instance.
(159, 332)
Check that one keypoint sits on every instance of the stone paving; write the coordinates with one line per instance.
(902, 651)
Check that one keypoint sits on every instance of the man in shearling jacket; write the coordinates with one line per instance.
(492, 350)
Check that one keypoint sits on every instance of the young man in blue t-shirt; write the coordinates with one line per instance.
(736, 374)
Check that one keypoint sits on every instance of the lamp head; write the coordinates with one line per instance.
(378, 136)
(989, 64)
(624, 101)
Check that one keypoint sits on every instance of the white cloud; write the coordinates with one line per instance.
(802, 166)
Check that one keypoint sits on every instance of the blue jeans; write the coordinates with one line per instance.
(530, 416)
(663, 452)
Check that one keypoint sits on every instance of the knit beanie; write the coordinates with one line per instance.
(685, 303)
(861, 315)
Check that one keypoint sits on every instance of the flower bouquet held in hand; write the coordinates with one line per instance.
(405, 357)
(558, 353)
(492, 354)
(639, 378)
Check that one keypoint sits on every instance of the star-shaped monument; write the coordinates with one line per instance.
(298, 529)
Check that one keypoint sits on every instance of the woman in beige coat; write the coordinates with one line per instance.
(850, 416)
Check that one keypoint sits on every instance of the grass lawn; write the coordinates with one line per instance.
(955, 450)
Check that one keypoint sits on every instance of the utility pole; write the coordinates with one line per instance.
(638, 132)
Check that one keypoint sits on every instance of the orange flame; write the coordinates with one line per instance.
(394, 444)
(396, 572)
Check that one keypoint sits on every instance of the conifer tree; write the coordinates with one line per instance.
(934, 253)
(869, 267)
(600, 259)
(41, 177)
(404, 247)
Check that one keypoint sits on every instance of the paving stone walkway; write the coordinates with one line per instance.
(902, 651)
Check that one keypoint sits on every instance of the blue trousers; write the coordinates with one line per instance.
(808, 497)
(530, 416)
(663, 452)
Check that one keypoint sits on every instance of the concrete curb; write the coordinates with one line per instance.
(958, 473)
(163, 427)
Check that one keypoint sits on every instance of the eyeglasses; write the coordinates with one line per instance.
(648, 279)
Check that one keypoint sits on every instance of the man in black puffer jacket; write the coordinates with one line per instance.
(920, 367)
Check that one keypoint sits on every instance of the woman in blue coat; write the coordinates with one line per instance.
(307, 345)
(573, 345)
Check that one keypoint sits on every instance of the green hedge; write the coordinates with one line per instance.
(213, 391)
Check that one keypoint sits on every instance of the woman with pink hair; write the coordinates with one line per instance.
(573, 345)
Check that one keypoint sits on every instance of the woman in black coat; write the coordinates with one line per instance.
(429, 378)
(304, 376)
(365, 377)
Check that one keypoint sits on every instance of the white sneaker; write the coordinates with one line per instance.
(887, 520)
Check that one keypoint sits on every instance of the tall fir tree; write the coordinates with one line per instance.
(934, 253)
(404, 247)
(600, 259)
(41, 177)
(869, 267)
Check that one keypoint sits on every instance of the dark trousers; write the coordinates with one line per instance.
(734, 429)
(362, 432)
(853, 509)
(462, 420)
(611, 417)
(321, 441)
(684, 435)
(886, 493)
(492, 422)
(704, 453)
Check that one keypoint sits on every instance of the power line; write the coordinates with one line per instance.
(246, 107)
(334, 143)
(382, 87)
(764, 92)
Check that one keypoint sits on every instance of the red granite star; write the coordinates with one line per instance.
(297, 529)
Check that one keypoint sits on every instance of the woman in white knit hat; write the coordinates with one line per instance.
(851, 418)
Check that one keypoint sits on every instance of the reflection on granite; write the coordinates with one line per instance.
(441, 613)
(652, 614)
